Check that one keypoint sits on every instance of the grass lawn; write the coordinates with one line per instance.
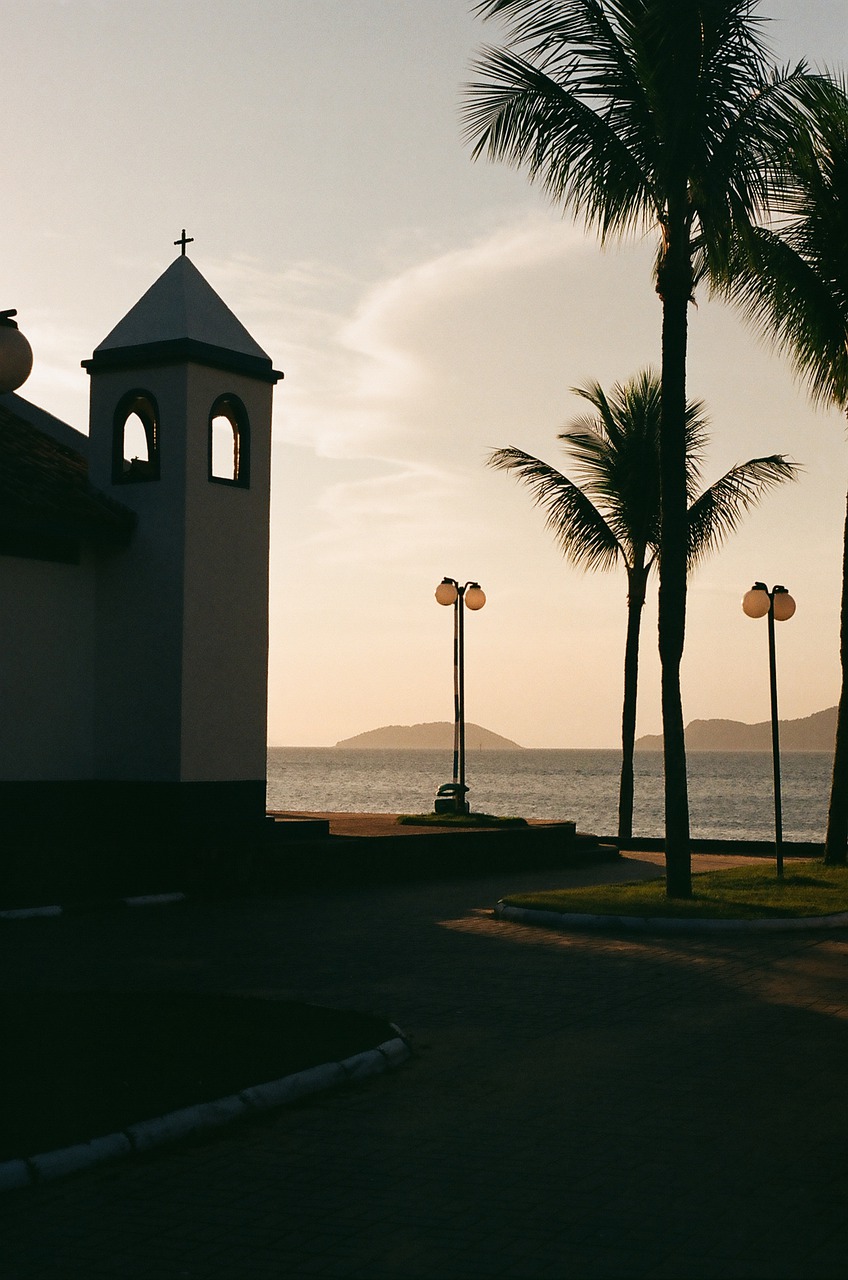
(741, 893)
(79, 1065)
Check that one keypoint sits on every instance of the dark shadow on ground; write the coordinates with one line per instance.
(78, 1065)
(578, 1105)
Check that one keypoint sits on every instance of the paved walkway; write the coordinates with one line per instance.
(578, 1106)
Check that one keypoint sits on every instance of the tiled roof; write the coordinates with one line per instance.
(44, 486)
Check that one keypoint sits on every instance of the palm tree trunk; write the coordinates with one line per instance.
(674, 284)
(836, 840)
(635, 603)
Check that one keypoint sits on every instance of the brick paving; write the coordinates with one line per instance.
(577, 1106)
(384, 824)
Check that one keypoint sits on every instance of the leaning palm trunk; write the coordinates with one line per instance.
(635, 604)
(674, 284)
(836, 839)
(793, 287)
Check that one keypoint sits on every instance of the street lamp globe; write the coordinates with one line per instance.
(756, 602)
(447, 591)
(475, 596)
(784, 605)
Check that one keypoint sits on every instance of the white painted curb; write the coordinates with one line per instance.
(394, 1051)
(147, 1134)
(664, 924)
(155, 899)
(29, 913)
(179, 1124)
(14, 1174)
(144, 900)
(362, 1065)
(291, 1088)
(56, 1164)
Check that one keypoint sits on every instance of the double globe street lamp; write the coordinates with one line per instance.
(451, 797)
(777, 604)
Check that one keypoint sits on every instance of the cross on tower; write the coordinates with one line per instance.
(184, 240)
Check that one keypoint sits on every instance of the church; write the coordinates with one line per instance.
(134, 571)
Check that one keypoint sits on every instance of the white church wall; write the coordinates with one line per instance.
(46, 669)
(145, 667)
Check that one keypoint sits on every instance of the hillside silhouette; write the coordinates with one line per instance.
(811, 733)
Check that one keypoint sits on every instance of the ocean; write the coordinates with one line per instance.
(730, 793)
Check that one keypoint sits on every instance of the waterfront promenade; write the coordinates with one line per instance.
(577, 1105)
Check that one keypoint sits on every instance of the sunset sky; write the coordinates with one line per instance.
(424, 309)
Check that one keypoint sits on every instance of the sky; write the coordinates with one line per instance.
(425, 309)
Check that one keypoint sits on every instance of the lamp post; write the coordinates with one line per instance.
(471, 596)
(759, 602)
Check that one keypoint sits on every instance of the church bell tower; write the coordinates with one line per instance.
(180, 433)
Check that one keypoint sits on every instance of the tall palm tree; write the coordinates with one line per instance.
(793, 285)
(639, 114)
(612, 515)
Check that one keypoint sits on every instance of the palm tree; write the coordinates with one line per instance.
(639, 114)
(793, 286)
(613, 515)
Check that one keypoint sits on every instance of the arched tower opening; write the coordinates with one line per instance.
(229, 442)
(135, 439)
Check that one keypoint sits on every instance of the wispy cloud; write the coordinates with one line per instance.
(370, 370)
(416, 375)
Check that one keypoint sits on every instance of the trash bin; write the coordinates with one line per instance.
(450, 798)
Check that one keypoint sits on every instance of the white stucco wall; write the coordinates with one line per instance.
(225, 621)
(46, 669)
(182, 614)
(139, 592)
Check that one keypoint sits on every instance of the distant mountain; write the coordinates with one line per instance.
(437, 736)
(812, 733)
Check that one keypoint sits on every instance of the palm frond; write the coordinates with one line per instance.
(584, 536)
(612, 105)
(616, 457)
(611, 510)
(719, 509)
(523, 116)
(749, 172)
(792, 302)
(696, 428)
(791, 282)
(604, 421)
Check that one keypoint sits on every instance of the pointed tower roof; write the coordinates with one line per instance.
(181, 319)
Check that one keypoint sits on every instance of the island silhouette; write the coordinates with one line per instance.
(816, 732)
(436, 735)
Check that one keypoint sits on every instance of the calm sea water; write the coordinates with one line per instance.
(730, 793)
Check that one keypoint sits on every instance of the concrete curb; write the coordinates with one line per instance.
(82, 908)
(579, 921)
(147, 1134)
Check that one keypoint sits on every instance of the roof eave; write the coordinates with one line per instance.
(97, 528)
(182, 351)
